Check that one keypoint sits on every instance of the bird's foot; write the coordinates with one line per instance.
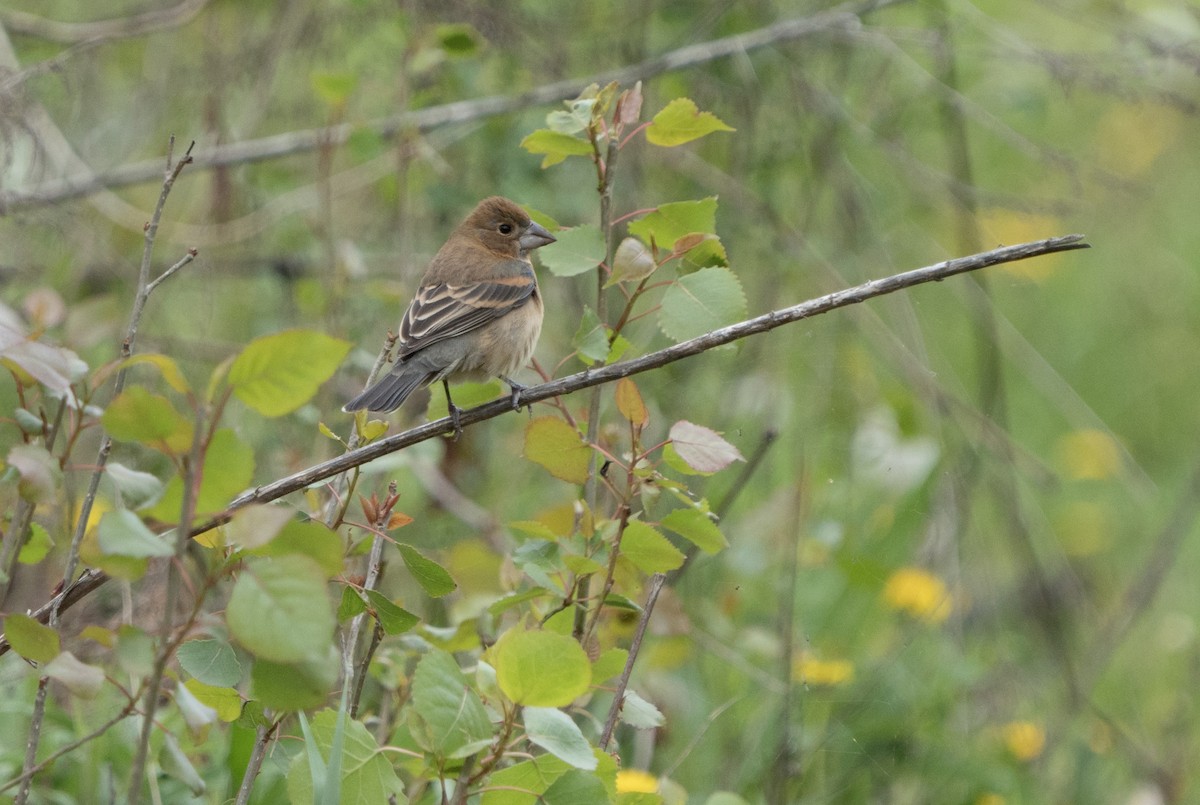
(516, 389)
(455, 419)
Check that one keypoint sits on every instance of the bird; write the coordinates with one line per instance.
(477, 312)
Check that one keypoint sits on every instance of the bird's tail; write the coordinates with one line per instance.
(390, 391)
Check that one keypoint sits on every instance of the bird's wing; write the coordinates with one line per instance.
(443, 310)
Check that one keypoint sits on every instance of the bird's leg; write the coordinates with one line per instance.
(516, 389)
(454, 411)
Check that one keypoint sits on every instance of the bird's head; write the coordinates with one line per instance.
(505, 228)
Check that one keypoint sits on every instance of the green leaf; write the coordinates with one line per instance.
(352, 604)
(167, 366)
(649, 550)
(136, 415)
(632, 262)
(591, 339)
(295, 686)
(122, 533)
(255, 526)
(333, 89)
(279, 609)
(459, 39)
(630, 403)
(278, 373)
(610, 663)
(367, 773)
(456, 723)
(555, 145)
(80, 678)
(578, 249)
(40, 473)
(31, 639)
(541, 669)
(639, 713)
(702, 448)
(432, 577)
(681, 122)
(521, 783)
(392, 617)
(554, 731)
(557, 446)
(134, 651)
(225, 700)
(310, 538)
(228, 470)
(36, 547)
(695, 526)
(136, 489)
(698, 303)
(672, 221)
(574, 788)
(213, 662)
(176, 765)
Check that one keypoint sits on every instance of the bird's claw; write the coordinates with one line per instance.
(455, 419)
(516, 389)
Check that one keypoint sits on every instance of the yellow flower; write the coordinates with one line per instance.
(1089, 455)
(821, 673)
(1025, 740)
(989, 799)
(636, 781)
(919, 593)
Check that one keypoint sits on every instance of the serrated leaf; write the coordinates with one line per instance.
(591, 339)
(276, 374)
(649, 550)
(540, 669)
(701, 302)
(674, 220)
(432, 577)
(213, 662)
(554, 444)
(577, 250)
(702, 448)
(351, 604)
(36, 547)
(165, 365)
(554, 731)
(394, 618)
(122, 533)
(31, 639)
(456, 723)
(136, 415)
(575, 787)
(695, 526)
(630, 404)
(279, 609)
(555, 145)
(632, 262)
(680, 122)
(367, 772)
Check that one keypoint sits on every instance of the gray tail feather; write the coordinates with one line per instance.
(390, 391)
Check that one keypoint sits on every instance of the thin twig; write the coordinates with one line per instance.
(262, 739)
(92, 579)
(848, 15)
(614, 712)
(374, 569)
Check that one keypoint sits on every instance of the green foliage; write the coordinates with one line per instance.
(958, 520)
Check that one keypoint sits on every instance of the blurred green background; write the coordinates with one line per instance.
(961, 572)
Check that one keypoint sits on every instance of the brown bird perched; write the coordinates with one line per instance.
(477, 313)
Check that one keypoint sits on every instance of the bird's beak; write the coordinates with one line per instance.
(535, 237)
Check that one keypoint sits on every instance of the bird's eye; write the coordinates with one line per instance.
(505, 229)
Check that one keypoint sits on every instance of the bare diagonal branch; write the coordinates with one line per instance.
(92, 579)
